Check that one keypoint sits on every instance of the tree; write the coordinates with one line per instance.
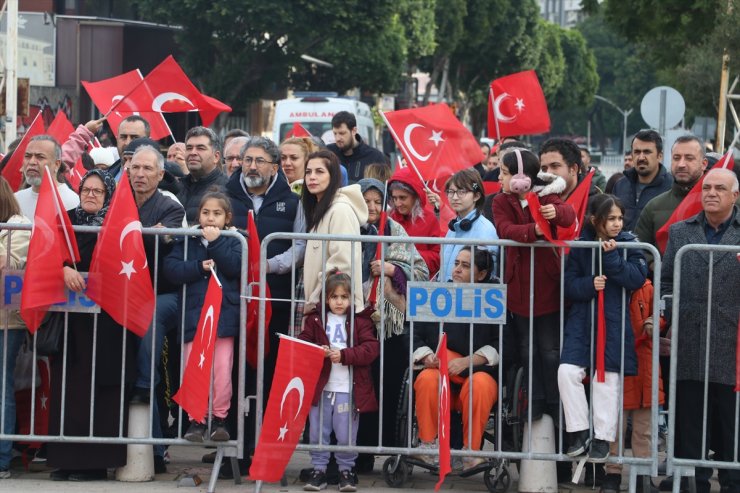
(551, 61)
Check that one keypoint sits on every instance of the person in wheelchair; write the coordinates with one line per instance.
(482, 350)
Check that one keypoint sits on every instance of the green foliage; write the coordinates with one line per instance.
(417, 21)
(581, 79)
(551, 61)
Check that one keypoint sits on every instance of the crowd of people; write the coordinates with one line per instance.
(336, 293)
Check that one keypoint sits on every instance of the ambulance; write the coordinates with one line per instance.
(315, 111)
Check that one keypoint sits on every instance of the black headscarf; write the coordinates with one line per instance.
(85, 218)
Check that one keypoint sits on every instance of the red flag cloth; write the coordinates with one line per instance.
(600, 339)
(372, 297)
(297, 371)
(490, 187)
(74, 176)
(43, 283)
(443, 431)
(432, 140)
(12, 170)
(168, 89)
(579, 201)
(119, 280)
(196, 380)
(534, 208)
(446, 214)
(298, 130)
(517, 106)
(253, 305)
(107, 92)
(60, 127)
(690, 205)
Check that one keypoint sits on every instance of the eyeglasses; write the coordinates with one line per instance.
(95, 192)
(258, 161)
(457, 193)
(229, 159)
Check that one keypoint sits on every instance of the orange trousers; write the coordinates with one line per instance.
(485, 393)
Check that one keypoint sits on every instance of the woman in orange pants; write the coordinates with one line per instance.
(482, 349)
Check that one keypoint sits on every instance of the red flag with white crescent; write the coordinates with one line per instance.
(12, 170)
(193, 393)
(119, 280)
(517, 106)
(443, 431)
(297, 371)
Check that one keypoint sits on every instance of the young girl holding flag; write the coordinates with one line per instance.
(617, 269)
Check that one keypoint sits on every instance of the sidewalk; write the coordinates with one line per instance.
(187, 461)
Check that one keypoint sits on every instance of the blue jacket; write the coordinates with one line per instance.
(626, 190)
(227, 253)
(579, 288)
(481, 229)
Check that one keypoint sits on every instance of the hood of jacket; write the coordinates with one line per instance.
(552, 184)
(409, 178)
(352, 196)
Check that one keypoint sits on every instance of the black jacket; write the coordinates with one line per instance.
(192, 192)
(361, 156)
(626, 190)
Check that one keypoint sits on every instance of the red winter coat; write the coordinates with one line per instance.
(514, 223)
(360, 356)
(426, 226)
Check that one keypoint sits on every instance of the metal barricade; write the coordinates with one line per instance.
(501, 451)
(233, 448)
(712, 385)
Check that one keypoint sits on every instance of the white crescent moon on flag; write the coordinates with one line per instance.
(295, 384)
(497, 108)
(407, 140)
(116, 99)
(169, 96)
(208, 317)
(132, 226)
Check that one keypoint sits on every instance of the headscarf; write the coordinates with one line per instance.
(85, 218)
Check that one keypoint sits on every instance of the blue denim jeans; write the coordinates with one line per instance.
(151, 346)
(15, 340)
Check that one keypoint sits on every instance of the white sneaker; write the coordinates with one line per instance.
(432, 460)
(4, 474)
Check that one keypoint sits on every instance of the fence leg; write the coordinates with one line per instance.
(140, 458)
(539, 475)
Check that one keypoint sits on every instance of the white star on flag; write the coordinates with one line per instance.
(127, 268)
(43, 401)
(519, 104)
(202, 359)
(283, 431)
(436, 137)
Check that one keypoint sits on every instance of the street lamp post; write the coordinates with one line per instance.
(625, 114)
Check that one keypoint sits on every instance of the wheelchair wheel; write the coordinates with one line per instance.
(397, 478)
(518, 404)
(497, 479)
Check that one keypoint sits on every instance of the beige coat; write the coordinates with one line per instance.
(13, 258)
(347, 212)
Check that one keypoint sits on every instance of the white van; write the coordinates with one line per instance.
(315, 112)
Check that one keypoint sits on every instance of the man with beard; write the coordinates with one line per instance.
(687, 166)
(352, 152)
(261, 187)
(203, 158)
(646, 180)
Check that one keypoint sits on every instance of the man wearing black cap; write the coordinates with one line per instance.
(203, 158)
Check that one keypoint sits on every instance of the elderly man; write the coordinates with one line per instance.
(43, 151)
(717, 224)
(203, 157)
(176, 154)
(233, 155)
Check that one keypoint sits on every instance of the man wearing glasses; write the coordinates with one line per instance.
(203, 158)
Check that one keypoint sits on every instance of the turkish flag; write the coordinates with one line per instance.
(579, 201)
(297, 371)
(52, 244)
(517, 106)
(60, 128)
(74, 176)
(490, 187)
(600, 338)
(168, 89)
(107, 92)
(119, 280)
(432, 140)
(12, 170)
(298, 130)
(443, 431)
(533, 201)
(690, 205)
(196, 380)
(253, 305)
(40, 395)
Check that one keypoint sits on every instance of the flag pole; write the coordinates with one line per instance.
(406, 153)
(728, 153)
(59, 215)
(495, 113)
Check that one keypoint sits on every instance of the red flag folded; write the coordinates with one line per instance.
(297, 371)
(432, 140)
(253, 305)
(372, 297)
(74, 176)
(12, 170)
(600, 339)
(168, 89)
(446, 214)
(52, 244)
(298, 130)
(107, 92)
(533, 202)
(60, 127)
(193, 393)
(443, 431)
(579, 201)
(517, 106)
(690, 205)
(119, 279)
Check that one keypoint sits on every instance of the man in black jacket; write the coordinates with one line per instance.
(352, 152)
(203, 158)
